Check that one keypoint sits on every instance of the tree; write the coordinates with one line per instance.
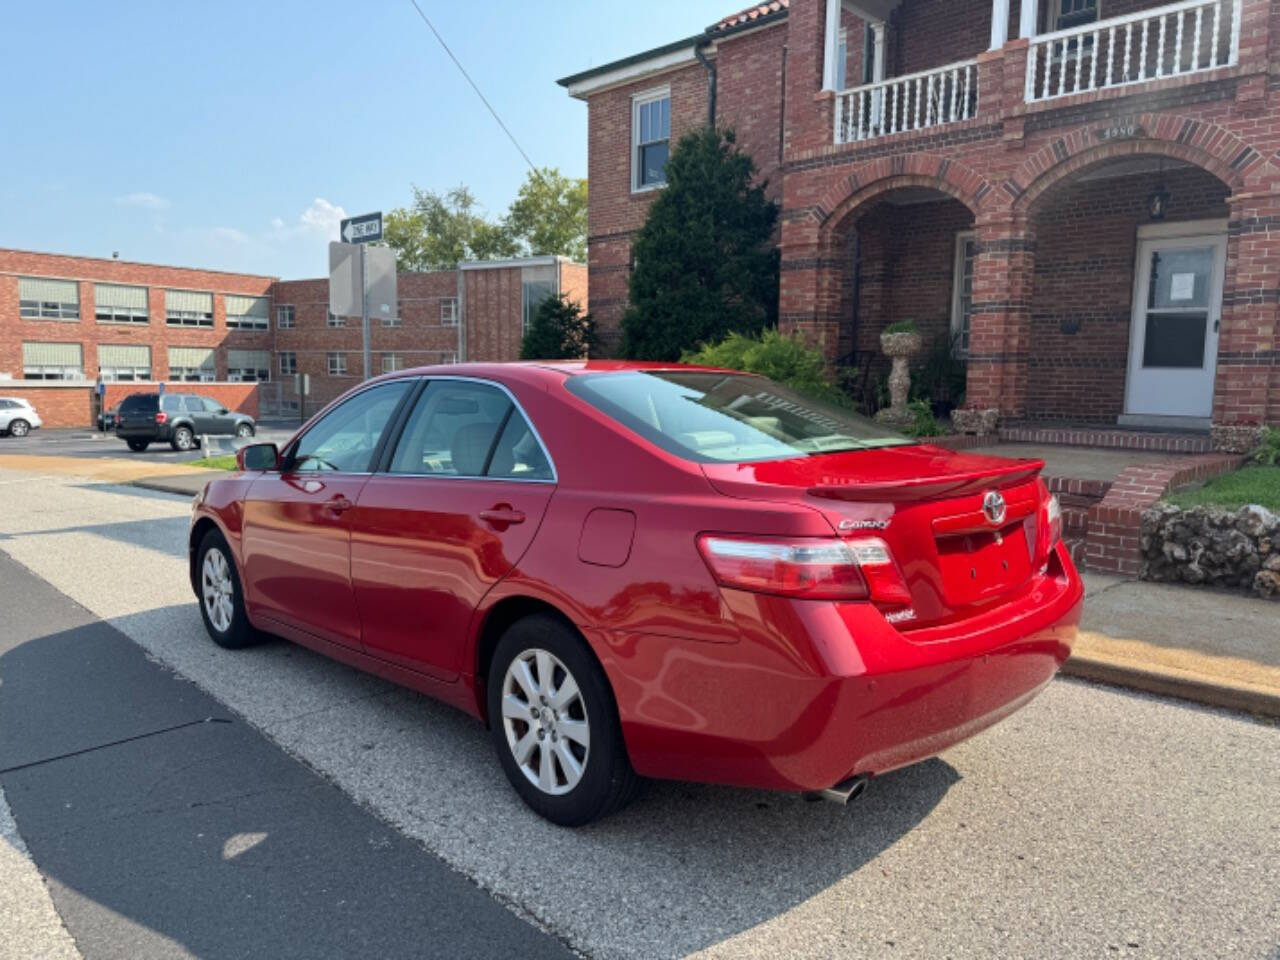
(559, 331)
(705, 260)
(549, 215)
(437, 231)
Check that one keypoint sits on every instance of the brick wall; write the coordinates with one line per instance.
(494, 294)
(58, 405)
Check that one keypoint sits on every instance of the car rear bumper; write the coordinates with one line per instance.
(814, 693)
(152, 434)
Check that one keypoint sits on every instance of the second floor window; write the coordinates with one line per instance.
(334, 321)
(337, 364)
(285, 319)
(247, 313)
(288, 363)
(188, 308)
(650, 136)
(391, 362)
(40, 299)
(1074, 13)
(449, 311)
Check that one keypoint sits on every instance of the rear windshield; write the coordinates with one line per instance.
(728, 418)
(140, 401)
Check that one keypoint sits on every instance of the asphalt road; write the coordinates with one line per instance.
(1094, 823)
(86, 442)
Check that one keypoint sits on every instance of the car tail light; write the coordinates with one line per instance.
(1053, 522)
(1044, 528)
(808, 568)
(162, 417)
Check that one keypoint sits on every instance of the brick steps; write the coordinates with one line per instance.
(1109, 438)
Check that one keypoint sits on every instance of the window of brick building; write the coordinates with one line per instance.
(285, 319)
(962, 290)
(334, 321)
(449, 311)
(1073, 13)
(650, 138)
(337, 364)
(192, 364)
(393, 320)
(52, 361)
(113, 303)
(124, 362)
(247, 313)
(248, 366)
(41, 299)
(288, 363)
(187, 308)
(391, 362)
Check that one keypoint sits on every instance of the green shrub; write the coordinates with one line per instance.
(1268, 453)
(788, 360)
(559, 331)
(942, 378)
(924, 424)
(902, 326)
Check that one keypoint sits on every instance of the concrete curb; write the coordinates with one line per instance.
(187, 485)
(1196, 689)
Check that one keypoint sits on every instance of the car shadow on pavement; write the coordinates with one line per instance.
(166, 535)
(683, 868)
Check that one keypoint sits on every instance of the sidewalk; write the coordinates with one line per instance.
(1213, 647)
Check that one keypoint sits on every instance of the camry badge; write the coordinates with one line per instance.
(993, 506)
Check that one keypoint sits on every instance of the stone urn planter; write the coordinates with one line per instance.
(899, 347)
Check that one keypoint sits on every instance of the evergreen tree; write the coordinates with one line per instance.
(559, 331)
(706, 263)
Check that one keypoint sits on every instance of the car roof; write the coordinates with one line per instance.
(544, 371)
(22, 400)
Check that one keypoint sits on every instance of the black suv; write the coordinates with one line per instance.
(176, 419)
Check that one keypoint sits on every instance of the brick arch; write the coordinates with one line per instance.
(871, 180)
(1205, 145)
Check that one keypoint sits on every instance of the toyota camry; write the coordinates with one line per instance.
(645, 570)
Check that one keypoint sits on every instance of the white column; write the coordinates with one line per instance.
(1027, 23)
(878, 33)
(831, 45)
(999, 23)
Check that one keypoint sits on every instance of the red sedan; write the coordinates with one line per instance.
(648, 570)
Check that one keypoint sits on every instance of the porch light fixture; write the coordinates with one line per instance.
(1158, 202)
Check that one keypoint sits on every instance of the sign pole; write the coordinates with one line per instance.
(364, 314)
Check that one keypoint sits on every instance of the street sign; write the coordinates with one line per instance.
(362, 280)
(362, 229)
(344, 279)
(380, 281)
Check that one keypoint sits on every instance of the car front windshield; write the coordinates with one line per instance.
(713, 417)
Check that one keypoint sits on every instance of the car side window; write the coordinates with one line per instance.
(171, 403)
(210, 406)
(452, 430)
(519, 455)
(346, 437)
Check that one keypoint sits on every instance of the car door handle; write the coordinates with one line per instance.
(502, 514)
(339, 504)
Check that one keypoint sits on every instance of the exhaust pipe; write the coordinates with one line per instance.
(845, 790)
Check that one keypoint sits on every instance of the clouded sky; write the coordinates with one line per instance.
(235, 134)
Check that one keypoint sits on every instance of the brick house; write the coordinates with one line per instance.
(67, 322)
(1085, 194)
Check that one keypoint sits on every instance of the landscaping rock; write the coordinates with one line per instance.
(1237, 437)
(1212, 546)
(982, 422)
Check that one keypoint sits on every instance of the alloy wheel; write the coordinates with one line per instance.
(19, 428)
(244, 430)
(545, 721)
(217, 590)
(183, 439)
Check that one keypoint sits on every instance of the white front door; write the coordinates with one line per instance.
(1177, 308)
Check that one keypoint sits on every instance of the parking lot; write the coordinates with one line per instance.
(91, 442)
(1095, 822)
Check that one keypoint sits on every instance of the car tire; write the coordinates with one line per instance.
(584, 727)
(183, 439)
(221, 596)
(138, 446)
(244, 430)
(19, 428)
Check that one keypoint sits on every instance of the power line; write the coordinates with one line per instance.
(463, 71)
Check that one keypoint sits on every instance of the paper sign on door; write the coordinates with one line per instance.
(1182, 286)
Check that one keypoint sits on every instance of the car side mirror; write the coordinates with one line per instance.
(223, 411)
(258, 456)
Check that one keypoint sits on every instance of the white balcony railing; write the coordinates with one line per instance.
(1169, 41)
(914, 102)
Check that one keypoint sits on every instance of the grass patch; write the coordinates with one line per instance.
(227, 462)
(1259, 485)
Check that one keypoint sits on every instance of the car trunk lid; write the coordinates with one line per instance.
(962, 527)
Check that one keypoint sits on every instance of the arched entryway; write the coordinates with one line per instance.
(902, 250)
(1126, 292)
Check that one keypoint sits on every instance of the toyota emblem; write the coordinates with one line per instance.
(993, 506)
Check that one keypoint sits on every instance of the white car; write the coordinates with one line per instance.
(18, 417)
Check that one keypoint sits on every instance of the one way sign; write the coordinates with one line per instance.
(362, 229)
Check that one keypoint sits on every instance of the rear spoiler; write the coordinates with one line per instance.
(931, 488)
